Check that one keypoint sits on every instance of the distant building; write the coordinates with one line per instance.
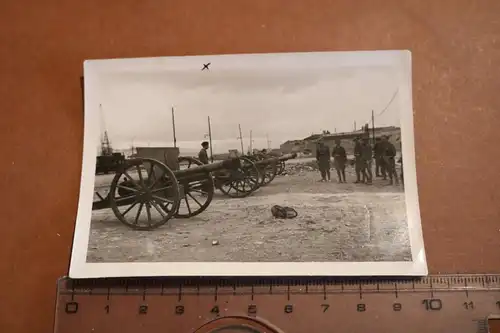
(275, 152)
(314, 137)
(308, 145)
(293, 146)
(347, 138)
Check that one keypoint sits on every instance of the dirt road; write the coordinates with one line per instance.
(335, 222)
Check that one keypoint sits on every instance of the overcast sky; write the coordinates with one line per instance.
(281, 104)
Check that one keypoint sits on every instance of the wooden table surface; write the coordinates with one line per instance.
(456, 82)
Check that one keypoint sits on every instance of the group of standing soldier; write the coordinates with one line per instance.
(383, 152)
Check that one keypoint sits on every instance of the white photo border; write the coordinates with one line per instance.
(79, 268)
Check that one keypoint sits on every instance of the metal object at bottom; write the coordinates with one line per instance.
(444, 303)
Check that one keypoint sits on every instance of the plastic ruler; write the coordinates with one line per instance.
(444, 303)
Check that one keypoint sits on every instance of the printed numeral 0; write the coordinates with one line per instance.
(71, 307)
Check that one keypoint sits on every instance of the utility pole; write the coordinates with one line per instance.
(173, 126)
(241, 140)
(210, 140)
(268, 142)
(251, 141)
(373, 126)
(355, 128)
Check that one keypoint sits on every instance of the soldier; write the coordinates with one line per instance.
(402, 176)
(203, 155)
(323, 158)
(379, 162)
(339, 160)
(389, 156)
(358, 162)
(366, 156)
(400, 161)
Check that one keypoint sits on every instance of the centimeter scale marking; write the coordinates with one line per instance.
(197, 302)
(306, 285)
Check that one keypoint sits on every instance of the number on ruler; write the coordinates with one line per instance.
(288, 308)
(325, 307)
(71, 307)
(106, 308)
(252, 310)
(215, 310)
(433, 304)
(397, 307)
(469, 305)
(179, 309)
(361, 307)
(143, 309)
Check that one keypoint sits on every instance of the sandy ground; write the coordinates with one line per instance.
(335, 222)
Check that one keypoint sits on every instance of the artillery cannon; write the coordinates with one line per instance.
(262, 156)
(236, 182)
(282, 159)
(271, 166)
(149, 186)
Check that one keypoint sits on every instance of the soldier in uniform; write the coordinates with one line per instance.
(379, 162)
(358, 162)
(389, 156)
(339, 160)
(203, 155)
(400, 161)
(323, 158)
(366, 157)
(402, 176)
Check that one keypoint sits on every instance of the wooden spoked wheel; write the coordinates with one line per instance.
(197, 189)
(144, 194)
(268, 172)
(240, 182)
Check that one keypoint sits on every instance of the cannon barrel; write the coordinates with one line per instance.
(287, 157)
(275, 159)
(231, 164)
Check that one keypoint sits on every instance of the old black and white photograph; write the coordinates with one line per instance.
(249, 164)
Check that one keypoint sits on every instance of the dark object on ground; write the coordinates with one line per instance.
(280, 212)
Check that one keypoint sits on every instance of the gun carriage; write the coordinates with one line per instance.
(236, 182)
(145, 193)
(270, 167)
(263, 156)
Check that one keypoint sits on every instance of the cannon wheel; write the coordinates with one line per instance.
(203, 187)
(239, 183)
(148, 185)
(268, 172)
